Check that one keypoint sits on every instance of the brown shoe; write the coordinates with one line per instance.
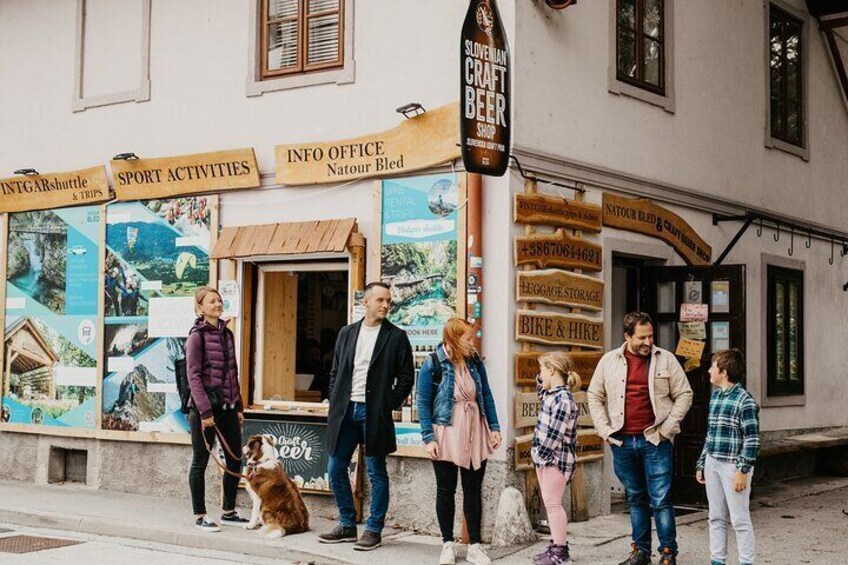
(668, 557)
(340, 534)
(637, 556)
(368, 541)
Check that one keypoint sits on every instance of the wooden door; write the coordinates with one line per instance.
(722, 288)
(279, 335)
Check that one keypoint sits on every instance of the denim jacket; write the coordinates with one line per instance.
(438, 408)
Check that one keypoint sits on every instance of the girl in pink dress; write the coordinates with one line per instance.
(460, 429)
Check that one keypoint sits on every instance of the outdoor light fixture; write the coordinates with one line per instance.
(125, 157)
(411, 110)
(26, 172)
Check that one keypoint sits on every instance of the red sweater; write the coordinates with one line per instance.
(638, 410)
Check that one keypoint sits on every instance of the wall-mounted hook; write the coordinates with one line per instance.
(791, 241)
(760, 229)
(809, 242)
(777, 233)
(830, 261)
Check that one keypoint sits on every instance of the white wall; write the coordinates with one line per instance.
(714, 143)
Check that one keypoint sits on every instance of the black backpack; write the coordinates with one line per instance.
(181, 374)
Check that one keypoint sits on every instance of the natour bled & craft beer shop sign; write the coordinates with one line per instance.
(53, 190)
(485, 127)
(418, 143)
(147, 179)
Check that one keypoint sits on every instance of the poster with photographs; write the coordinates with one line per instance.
(155, 249)
(420, 228)
(51, 334)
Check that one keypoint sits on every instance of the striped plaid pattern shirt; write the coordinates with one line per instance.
(555, 438)
(734, 428)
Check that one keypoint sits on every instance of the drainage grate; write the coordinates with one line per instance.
(30, 544)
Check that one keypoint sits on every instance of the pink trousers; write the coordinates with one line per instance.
(552, 486)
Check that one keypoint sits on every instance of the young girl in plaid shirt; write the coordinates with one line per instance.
(554, 447)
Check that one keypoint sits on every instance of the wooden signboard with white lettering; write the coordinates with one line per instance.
(643, 216)
(550, 328)
(54, 190)
(590, 446)
(559, 212)
(526, 409)
(523, 460)
(143, 179)
(527, 366)
(426, 140)
(560, 288)
(557, 250)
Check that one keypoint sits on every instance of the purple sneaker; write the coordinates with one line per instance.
(557, 555)
(544, 554)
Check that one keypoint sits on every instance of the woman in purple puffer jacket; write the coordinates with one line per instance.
(215, 402)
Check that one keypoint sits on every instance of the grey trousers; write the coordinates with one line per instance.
(728, 507)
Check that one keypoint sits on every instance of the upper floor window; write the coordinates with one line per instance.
(640, 44)
(786, 55)
(301, 36)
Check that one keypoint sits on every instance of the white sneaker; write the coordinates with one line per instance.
(448, 556)
(476, 555)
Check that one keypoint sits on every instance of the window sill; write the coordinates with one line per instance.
(344, 75)
(665, 102)
(779, 144)
(781, 401)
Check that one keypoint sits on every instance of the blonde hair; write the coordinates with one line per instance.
(563, 364)
(452, 335)
(200, 294)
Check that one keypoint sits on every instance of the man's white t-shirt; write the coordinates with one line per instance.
(362, 360)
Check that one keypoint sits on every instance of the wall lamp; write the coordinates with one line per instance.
(26, 172)
(125, 157)
(411, 110)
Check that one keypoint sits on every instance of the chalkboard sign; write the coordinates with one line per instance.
(301, 446)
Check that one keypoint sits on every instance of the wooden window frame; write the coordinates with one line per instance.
(786, 19)
(787, 276)
(303, 17)
(640, 37)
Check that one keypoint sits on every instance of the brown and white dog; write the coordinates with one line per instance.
(277, 503)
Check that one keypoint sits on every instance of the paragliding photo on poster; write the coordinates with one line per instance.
(154, 249)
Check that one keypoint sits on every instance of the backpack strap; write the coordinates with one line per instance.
(437, 368)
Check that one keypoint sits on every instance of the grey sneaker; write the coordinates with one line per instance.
(637, 556)
(369, 541)
(340, 534)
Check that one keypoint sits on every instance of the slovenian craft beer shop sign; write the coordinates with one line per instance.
(421, 142)
(146, 179)
(54, 190)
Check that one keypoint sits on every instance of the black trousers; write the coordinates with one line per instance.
(472, 498)
(227, 422)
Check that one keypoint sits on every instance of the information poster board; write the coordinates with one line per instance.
(421, 257)
(51, 320)
(157, 255)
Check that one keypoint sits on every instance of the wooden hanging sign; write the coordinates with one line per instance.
(557, 250)
(643, 216)
(426, 140)
(144, 179)
(523, 459)
(559, 212)
(560, 288)
(54, 190)
(584, 418)
(526, 406)
(550, 328)
(590, 445)
(527, 366)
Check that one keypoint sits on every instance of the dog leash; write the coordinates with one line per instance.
(226, 447)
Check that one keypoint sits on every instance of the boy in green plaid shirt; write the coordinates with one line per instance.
(727, 461)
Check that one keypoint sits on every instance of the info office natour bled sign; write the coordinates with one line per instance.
(53, 190)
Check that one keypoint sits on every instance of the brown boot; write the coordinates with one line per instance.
(637, 556)
(668, 557)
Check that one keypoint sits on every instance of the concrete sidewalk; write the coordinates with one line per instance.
(601, 540)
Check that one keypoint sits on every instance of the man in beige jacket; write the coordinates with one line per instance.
(638, 396)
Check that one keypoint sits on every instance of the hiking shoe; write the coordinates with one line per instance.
(448, 556)
(543, 554)
(233, 519)
(340, 534)
(476, 555)
(637, 556)
(369, 541)
(668, 557)
(204, 524)
(557, 555)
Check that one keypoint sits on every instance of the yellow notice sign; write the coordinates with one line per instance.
(690, 349)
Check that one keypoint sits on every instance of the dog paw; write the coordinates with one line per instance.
(275, 534)
(251, 526)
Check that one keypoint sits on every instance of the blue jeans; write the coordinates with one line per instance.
(646, 471)
(351, 434)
